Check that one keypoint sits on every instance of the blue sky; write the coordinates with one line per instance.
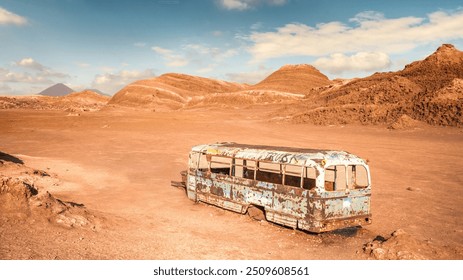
(106, 44)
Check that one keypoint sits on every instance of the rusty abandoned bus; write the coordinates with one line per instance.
(313, 190)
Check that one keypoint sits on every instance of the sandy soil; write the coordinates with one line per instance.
(118, 164)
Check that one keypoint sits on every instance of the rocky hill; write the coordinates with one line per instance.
(429, 91)
(170, 91)
(173, 91)
(299, 78)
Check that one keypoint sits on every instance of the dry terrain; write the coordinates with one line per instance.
(86, 176)
(96, 185)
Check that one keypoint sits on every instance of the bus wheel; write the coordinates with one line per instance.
(256, 212)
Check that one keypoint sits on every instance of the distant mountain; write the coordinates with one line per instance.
(57, 90)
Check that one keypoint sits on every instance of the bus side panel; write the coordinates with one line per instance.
(261, 194)
(249, 192)
(217, 189)
(289, 206)
(291, 201)
(221, 186)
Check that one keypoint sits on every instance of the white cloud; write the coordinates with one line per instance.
(27, 75)
(7, 17)
(31, 74)
(173, 59)
(31, 64)
(242, 5)
(42, 71)
(195, 50)
(239, 5)
(371, 32)
(7, 76)
(363, 61)
(112, 82)
(200, 56)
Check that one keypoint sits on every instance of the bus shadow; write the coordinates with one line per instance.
(346, 232)
(10, 158)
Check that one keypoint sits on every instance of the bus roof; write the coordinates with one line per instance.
(290, 155)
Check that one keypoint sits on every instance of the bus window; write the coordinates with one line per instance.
(249, 169)
(242, 168)
(293, 174)
(310, 176)
(220, 165)
(357, 176)
(199, 161)
(237, 168)
(335, 178)
(269, 172)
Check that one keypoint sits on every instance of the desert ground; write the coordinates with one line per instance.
(109, 171)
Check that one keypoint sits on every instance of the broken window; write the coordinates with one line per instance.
(203, 164)
(220, 165)
(269, 172)
(340, 177)
(357, 176)
(243, 168)
(310, 176)
(293, 174)
(335, 178)
(198, 161)
(249, 169)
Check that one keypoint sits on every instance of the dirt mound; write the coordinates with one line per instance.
(402, 246)
(24, 198)
(170, 91)
(35, 102)
(300, 78)
(86, 100)
(405, 122)
(86, 97)
(427, 91)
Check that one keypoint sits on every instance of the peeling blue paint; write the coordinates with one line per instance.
(316, 210)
